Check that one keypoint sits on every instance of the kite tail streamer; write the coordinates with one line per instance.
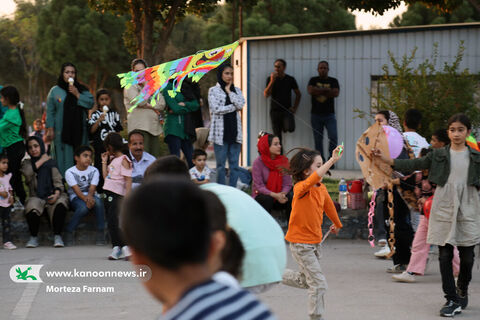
(326, 235)
(371, 214)
(391, 239)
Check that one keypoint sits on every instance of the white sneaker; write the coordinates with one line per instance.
(398, 268)
(241, 185)
(32, 242)
(404, 277)
(116, 253)
(9, 246)
(126, 252)
(382, 253)
(382, 242)
(58, 242)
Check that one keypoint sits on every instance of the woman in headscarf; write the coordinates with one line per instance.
(271, 187)
(67, 103)
(225, 101)
(402, 196)
(179, 134)
(46, 192)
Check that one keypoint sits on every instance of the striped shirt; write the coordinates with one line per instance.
(215, 301)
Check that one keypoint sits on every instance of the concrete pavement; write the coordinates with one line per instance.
(359, 288)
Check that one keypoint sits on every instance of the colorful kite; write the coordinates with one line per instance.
(156, 78)
(472, 142)
(376, 172)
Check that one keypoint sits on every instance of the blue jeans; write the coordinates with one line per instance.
(319, 122)
(175, 144)
(230, 151)
(244, 175)
(80, 210)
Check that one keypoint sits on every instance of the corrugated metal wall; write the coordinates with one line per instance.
(353, 59)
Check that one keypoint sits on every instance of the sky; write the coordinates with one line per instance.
(363, 20)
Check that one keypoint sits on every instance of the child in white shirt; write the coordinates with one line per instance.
(200, 173)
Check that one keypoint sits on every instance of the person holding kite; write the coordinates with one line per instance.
(310, 201)
(454, 218)
(144, 116)
(168, 80)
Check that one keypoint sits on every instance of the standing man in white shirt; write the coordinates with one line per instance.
(140, 158)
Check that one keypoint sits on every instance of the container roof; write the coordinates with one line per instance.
(345, 33)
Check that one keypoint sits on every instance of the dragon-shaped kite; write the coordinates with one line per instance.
(156, 78)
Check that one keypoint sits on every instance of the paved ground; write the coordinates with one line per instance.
(359, 288)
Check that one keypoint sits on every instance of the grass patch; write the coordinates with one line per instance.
(332, 187)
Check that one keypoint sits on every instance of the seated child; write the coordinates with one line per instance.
(6, 202)
(83, 180)
(200, 173)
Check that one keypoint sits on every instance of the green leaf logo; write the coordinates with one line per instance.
(26, 273)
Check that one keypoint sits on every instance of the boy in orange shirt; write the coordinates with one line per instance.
(310, 200)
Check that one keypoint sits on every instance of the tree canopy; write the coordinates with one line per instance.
(419, 14)
(69, 31)
(268, 17)
(380, 6)
(151, 22)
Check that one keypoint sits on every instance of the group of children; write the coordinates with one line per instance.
(450, 175)
(83, 180)
(453, 168)
(112, 165)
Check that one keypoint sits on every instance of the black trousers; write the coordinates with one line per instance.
(277, 116)
(112, 210)
(5, 215)
(15, 154)
(403, 230)
(381, 213)
(58, 220)
(99, 149)
(445, 258)
(269, 203)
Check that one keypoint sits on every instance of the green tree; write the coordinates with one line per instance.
(151, 22)
(21, 55)
(380, 6)
(272, 17)
(419, 14)
(70, 31)
(186, 38)
(437, 92)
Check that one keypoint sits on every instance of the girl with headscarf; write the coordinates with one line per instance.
(403, 231)
(178, 135)
(46, 192)
(271, 187)
(67, 103)
(225, 100)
